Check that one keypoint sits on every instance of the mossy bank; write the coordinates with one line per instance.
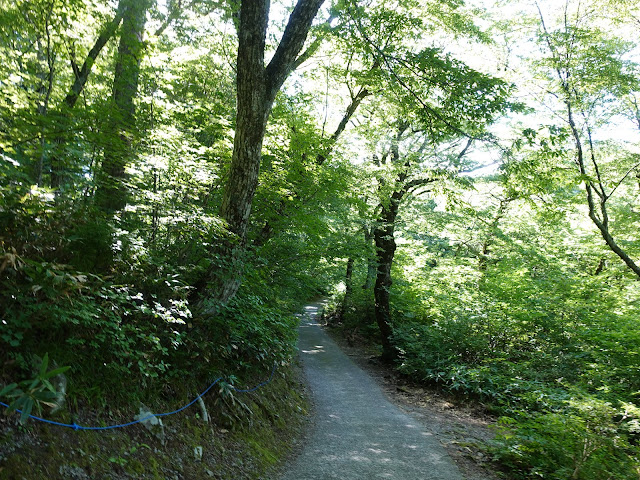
(248, 436)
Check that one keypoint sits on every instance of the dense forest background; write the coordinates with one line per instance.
(177, 178)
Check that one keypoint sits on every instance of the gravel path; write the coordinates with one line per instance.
(358, 434)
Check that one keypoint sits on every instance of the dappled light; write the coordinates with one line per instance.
(189, 188)
(358, 433)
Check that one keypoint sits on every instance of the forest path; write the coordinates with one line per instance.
(358, 433)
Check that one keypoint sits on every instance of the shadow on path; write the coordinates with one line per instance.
(358, 434)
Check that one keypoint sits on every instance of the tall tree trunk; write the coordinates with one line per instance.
(257, 87)
(385, 243)
(385, 251)
(598, 214)
(384, 240)
(111, 192)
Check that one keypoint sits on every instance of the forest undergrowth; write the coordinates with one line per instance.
(91, 341)
(178, 178)
(552, 356)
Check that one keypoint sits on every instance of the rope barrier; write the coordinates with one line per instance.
(75, 426)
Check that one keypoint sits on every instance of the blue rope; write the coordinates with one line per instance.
(75, 426)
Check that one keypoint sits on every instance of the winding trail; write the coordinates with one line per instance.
(358, 433)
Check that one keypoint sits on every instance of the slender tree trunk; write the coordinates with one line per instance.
(371, 259)
(111, 192)
(351, 109)
(598, 214)
(485, 251)
(598, 211)
(44, 89)
(348, 280)
(83, 73)
(43, 109)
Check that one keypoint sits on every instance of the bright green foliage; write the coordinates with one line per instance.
(525, 327)
(250, 332)
(502, 292)
(579, 442)
(37, 40)
(113, 296)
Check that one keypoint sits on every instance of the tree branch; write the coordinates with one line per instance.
(295, 34)
(174, 14)
(385, 58)
(351, 109)
(417, 183)
(632, 169)
(601, 191)
(313, 48)
(355, 102)
(83, 74)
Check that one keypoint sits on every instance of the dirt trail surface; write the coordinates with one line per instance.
(358, 433)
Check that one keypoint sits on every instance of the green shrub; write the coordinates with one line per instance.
(582, 442)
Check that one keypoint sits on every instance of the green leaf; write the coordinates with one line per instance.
(46, 398)
(56, 371)
(8, 389)
(48, 386)
(44, 365)
(26, 411)
(18, 403)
